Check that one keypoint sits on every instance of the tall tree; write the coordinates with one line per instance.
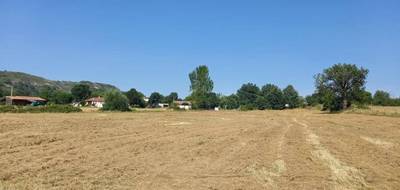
(80, 92)
(201, 86)
(200, 80)
(340, 84)
(291, 97)
(135, 98)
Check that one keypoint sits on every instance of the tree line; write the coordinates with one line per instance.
(336, 88)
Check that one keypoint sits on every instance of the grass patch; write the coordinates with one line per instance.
(40, 109)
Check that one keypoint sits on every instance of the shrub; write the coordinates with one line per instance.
(115, 101)
(39, 109)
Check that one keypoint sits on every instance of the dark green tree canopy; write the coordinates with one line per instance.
(115, 101)
(340, 85)
(381, 98)
(229, 102)
(63, 98)
(171, 97)
(135, 98)
(248, 95)
(155, 99)
(291, 97)
(273, 97)
(80, 92)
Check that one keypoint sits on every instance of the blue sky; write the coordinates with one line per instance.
(153, 45)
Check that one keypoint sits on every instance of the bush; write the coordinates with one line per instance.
(115, 101)
(39, 109)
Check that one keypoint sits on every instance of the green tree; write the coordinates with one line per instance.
(136, 98)
(312, 100)
(381, 98)
(48, 93)
(291, 97)
(154, 99)
(207, 101)
(115, 101)
(63, 98)
(81, 92)
(247, 95)
(229, 102)
(200, 80)
(363, 98)
(171, 97)
(201, 87)
(340, 84)
(273, 97)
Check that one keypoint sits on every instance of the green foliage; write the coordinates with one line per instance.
(340, 85)
(63, 98)
(25, 89)
(313, 100)
(272, 97)
(30, 85)
(171, 98)
(229, 102)
(135, 98)
(208, 101)
(383, 98)
(55, 96)
(39, 109)
(200, 81)
(330, 102)
(291, 97)
(247, 95)
(115, 101)
(154, 99)
(363, 98)
(201, 86)
(81, 92)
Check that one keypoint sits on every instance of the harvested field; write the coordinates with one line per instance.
(298, 149)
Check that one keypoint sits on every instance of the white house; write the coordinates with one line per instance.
(97, 102)
(186, 105)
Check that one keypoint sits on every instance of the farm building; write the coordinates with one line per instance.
(97, 102)
(24, 100)
(186, 105)
(163, 105)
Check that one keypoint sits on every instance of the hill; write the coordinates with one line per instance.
(26, 84)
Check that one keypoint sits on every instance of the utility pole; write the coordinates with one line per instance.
(12, 90)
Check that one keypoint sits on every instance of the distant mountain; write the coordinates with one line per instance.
(26, 84)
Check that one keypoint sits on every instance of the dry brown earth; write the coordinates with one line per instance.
(297, 149)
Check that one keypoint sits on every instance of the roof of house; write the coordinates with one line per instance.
(95, 99)
(26, 98)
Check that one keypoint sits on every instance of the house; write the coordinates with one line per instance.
(186, 105)
(24, 100)
(163, 105)
(97, 102)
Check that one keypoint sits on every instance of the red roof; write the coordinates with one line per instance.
(95, 99)
(27, 98)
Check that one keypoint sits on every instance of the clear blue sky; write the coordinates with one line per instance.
(153, 45)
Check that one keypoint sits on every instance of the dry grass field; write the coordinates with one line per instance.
(298, 149)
